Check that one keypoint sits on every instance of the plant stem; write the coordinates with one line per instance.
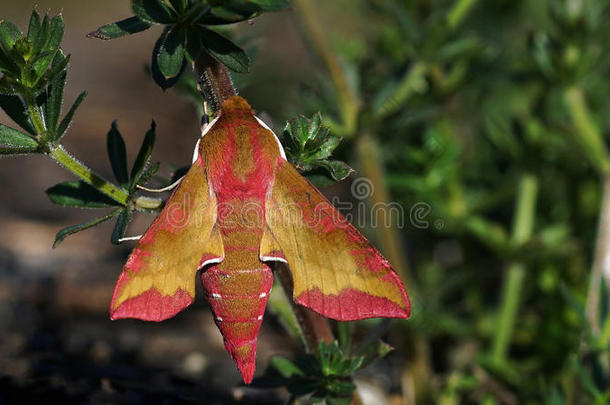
(523, 225)
(597, 152)
(348, 101)
(70, 163)
(586, 130)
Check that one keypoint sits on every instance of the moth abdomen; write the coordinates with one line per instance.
(238, 298)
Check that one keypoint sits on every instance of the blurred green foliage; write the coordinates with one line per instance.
(494, 114)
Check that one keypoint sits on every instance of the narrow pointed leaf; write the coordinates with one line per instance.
(65, 123)
(121, 226)
(61, 235)
(43, 36)
(15, 108)
(225, 51)
(121, 28)
(34, 27)
(170, 57)
(15, 142)
(55, 98)
(78, 194)
(9, 34)
(117, 154)
(143, 157)
(56, 33)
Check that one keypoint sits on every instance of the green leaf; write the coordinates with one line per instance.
(225, 51)
(15, 108)
(34, 27)
(285, 367)
(15, 142)
(152, 11)
(42, 37)
(78, 194)
(65, 123)
(121, 28)
(55, 98)
(56, 33)
(121, 226)
(337, 169)
(117, 154)
(158, 77)
(170, 57)
(61, 235)
(143, 157)
(9, 34)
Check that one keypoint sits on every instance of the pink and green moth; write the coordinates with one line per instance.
(241, 206)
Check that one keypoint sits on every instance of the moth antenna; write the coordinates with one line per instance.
(128, 238)
(160, 190)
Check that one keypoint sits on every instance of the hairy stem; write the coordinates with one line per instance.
(523, 225)
(67, 161)
(71, 164)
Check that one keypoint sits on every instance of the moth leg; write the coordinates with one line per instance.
(128, 238)
(160, 190)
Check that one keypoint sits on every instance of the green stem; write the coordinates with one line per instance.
(596, 151)
(523, 225)
(70, 163)
(586, 130)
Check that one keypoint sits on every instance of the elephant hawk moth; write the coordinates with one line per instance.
(241, 206)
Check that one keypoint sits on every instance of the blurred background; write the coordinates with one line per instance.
(484, 122)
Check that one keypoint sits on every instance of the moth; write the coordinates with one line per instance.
(241, 206)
